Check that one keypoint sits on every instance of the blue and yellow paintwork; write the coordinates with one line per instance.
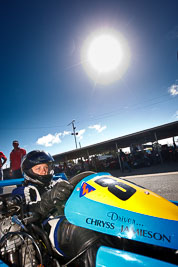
(143, 216)
(117, 207)
(143, 201)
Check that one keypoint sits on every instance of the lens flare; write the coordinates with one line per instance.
(105, 56)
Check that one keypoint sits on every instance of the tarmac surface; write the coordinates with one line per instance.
(159, 168)
(162, 179)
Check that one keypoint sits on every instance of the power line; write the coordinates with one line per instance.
(131, 107)
(101, 116)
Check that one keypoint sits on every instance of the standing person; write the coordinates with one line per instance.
(65, 166)
(3, 160)
(16, 156)
(124, 161)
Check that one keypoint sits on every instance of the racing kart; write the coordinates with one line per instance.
(143, 225)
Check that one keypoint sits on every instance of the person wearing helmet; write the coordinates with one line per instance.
(41, 193)
(47, 198)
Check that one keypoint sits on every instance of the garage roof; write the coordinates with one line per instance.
(142, 137)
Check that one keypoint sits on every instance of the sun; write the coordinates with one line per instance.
(105, 56)
(104, 53)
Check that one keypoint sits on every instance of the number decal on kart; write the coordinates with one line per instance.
(124, 192)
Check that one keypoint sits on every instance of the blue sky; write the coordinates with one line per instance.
(44, 85)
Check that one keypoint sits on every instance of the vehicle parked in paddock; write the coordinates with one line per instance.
(142, 226)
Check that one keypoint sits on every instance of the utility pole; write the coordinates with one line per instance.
(74, 133)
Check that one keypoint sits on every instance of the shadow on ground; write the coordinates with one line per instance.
(159, 168)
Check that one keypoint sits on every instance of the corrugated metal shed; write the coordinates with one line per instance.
(142, 137)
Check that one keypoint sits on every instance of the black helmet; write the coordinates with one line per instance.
(32, 159)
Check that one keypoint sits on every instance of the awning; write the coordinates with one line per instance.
(142, 137)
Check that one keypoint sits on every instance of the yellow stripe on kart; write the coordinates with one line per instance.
(142, 201)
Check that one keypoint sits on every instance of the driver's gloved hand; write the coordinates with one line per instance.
(59, 195)
(61, 192)
(54, 198)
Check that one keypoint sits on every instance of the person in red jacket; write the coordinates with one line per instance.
(16, 156)
(3, 160)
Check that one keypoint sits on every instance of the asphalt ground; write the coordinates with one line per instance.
(159, 168)
(161, 179)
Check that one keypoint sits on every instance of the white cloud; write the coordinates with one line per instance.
(97, 127)
(49, 140)
(80, 134)
(66, 133)
(173, 90)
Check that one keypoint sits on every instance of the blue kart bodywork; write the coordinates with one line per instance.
(116, 221)
(106, 256)
(2, 264)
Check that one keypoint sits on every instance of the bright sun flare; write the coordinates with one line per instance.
(105, 56)
(104, 53)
